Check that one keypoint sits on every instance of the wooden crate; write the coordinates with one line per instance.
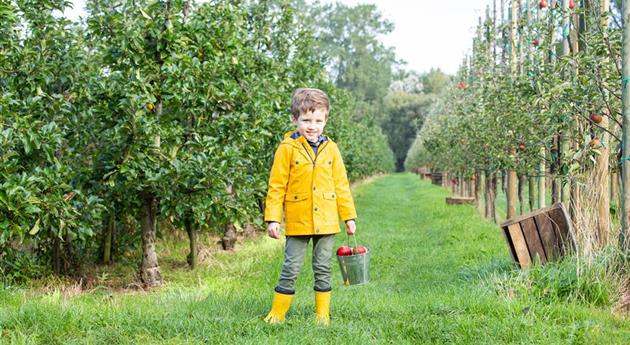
(543, 235)
(423, 170)
(458, 200)
(437, 178)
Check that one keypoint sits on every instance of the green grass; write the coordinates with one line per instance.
(436, 278)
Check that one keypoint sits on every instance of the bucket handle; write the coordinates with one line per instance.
(354, 237)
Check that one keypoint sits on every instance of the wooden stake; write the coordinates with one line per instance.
(602, 166)
(564, 139)
(625, 148)
(511, 187)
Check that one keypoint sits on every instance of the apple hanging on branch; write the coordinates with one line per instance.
(595, 143)
(571, 4)
(536, 42)
(597, 118)
(542, 4)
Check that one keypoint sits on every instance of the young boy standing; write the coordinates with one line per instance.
(308, 180)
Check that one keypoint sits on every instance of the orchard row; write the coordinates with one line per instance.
(539, 101)
(149, 112)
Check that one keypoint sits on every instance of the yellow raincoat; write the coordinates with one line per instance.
(313, 189)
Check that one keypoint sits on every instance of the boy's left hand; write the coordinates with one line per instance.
(351, 227)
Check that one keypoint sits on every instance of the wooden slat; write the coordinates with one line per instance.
(559, 217)
(508, 240)
(531, 214)
(547, 236)
(533, 240)
(452, 200)
(520, 246)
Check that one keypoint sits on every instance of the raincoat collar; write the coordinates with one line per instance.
(295, 135)
(299, 141)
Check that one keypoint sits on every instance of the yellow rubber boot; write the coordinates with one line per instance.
(279, 307)
(322, 308)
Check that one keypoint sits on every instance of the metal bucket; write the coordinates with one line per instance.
(355, 269)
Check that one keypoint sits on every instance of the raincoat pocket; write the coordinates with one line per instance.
(297, 205)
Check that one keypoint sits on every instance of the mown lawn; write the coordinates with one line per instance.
(435, 275)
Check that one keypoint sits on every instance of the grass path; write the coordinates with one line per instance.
(434, 270)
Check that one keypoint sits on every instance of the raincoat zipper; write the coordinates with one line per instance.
(317, 154)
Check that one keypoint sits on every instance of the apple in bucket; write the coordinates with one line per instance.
(344, 251)
(359, 250)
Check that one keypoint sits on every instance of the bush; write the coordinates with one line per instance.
(19, 266)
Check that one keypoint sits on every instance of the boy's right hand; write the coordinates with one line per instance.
(273, 230)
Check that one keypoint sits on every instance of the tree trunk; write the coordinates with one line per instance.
(614, 189)
(575, 206)
(486, 194)
(522, 178)
(70, 265)
(542, 190)
(229, 238)
(555, 182)
(490, 196)
(109, 236)
(56, 255)
(511, 194)
(192, 236)
(532, 193)
(481, 183)
(150, 270)
(493, 208)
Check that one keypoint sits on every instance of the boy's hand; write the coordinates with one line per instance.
(351, 227)
(273, 230)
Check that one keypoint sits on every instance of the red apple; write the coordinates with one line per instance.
(595, 142)
(542, 4)
(521, 146)
(597, 118)
(535, 42)
(344, 251)
(571, 4)
(359, 250)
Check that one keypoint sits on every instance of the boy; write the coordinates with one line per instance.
(308, 180)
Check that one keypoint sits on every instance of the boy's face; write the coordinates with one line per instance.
(311, 124)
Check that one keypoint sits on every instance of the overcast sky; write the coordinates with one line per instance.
(429, 33)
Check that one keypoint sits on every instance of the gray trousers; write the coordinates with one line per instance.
(294, 251)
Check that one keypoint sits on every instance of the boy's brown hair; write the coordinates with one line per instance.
(307, 100)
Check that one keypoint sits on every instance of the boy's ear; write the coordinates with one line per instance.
(293, 119)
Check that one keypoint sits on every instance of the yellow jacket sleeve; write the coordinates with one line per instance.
(278, 180)
(345, 202)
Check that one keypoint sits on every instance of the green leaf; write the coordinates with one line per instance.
(145, 15)
(35, 228)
